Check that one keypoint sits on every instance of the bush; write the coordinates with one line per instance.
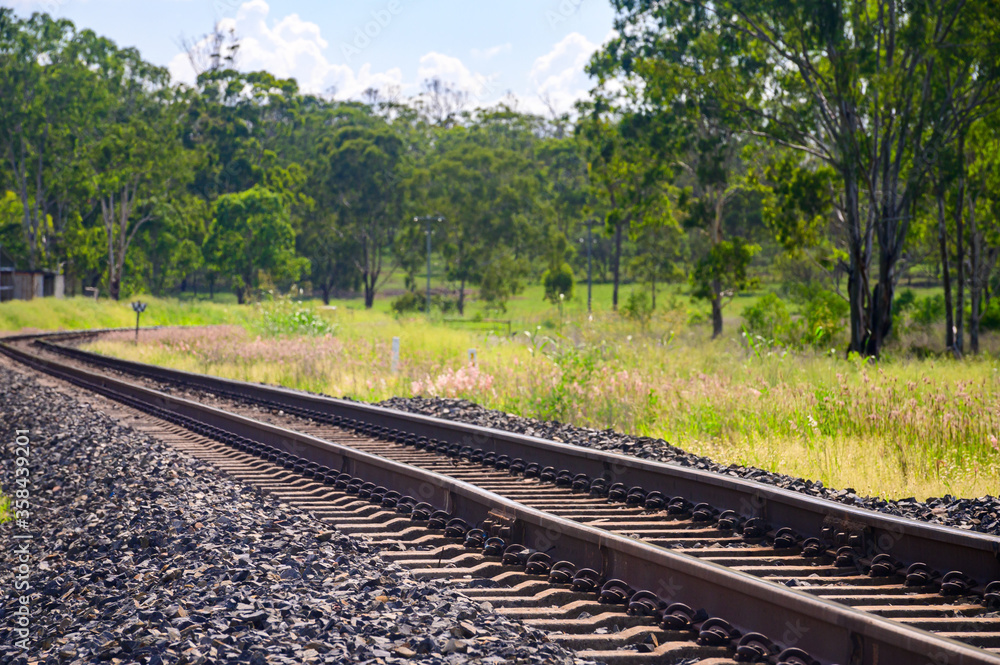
(928, 311)
(637, 307)
(409, 302)
(768, 319)
(905, 301)
(284, 318)
(991, 317)
(558, 281)
(823, 315)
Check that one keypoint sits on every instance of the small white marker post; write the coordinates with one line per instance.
(472, 356)
(394, 366)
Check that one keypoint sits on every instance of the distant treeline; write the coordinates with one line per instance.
(831, 149)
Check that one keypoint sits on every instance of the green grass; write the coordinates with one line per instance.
(80, 312)
(906, 427)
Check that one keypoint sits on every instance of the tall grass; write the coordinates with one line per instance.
(80, 312)
(905, 427)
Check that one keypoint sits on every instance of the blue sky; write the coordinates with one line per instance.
(535, 49)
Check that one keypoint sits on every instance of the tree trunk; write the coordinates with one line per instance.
(982, 261)
(949, 321)
(976, 296)
(881, 309)
(617, 265)
(461, 297)
(326, 292)
(716, 309)
(960, 253)
(369, 292)
(653, 289)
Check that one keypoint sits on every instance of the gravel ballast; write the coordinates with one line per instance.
(980, 514)
(143, 554)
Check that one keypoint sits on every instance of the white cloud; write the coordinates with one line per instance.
(559, 75)
(291, 48)
(482, 90)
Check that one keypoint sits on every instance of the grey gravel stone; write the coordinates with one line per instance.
(142, 554)
(975, 514)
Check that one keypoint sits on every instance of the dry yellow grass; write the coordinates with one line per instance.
(903, 428)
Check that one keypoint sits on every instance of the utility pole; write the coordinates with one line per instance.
(427, 231)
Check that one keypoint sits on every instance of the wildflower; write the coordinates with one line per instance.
(993, 442)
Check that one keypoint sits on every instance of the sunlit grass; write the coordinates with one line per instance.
(78, 313)
(902, 428)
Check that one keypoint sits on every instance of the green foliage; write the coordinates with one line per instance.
(409, 302)
(637, 306)
(361, 174)
(251, 233)
(823, 313)
(928, 311)
(798, 201)
(284, 318)
(905, 301)
(991, 317)
(768, 319)
(502, 279)
(725, 270)
(818, 321)
(558, 283)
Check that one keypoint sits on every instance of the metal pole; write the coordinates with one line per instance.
(137, 315)
(428, 310)
(590, 281)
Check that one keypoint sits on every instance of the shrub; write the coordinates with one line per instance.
(928, 311)
(637, 306)
(284, 318)
(991, 317)
(445, 304)
(823, 315)
(409, 302)
(905, 301)
(768, 319)
(558, 281)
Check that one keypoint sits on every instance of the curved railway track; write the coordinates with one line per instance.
(824, 581)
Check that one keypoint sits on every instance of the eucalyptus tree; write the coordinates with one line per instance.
(983, 195)
(136, 161)
(361, 170)
(240, 125)
(628, 176)
(851, 83)
(51, 92)
(251, 233)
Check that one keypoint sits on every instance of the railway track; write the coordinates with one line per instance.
(851, 585)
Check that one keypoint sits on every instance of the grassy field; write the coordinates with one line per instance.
(77, 313)
(906, 427)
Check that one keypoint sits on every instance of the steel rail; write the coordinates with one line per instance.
(870, 532)
(833, 633)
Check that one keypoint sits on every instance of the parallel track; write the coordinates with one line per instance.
(726, 562)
